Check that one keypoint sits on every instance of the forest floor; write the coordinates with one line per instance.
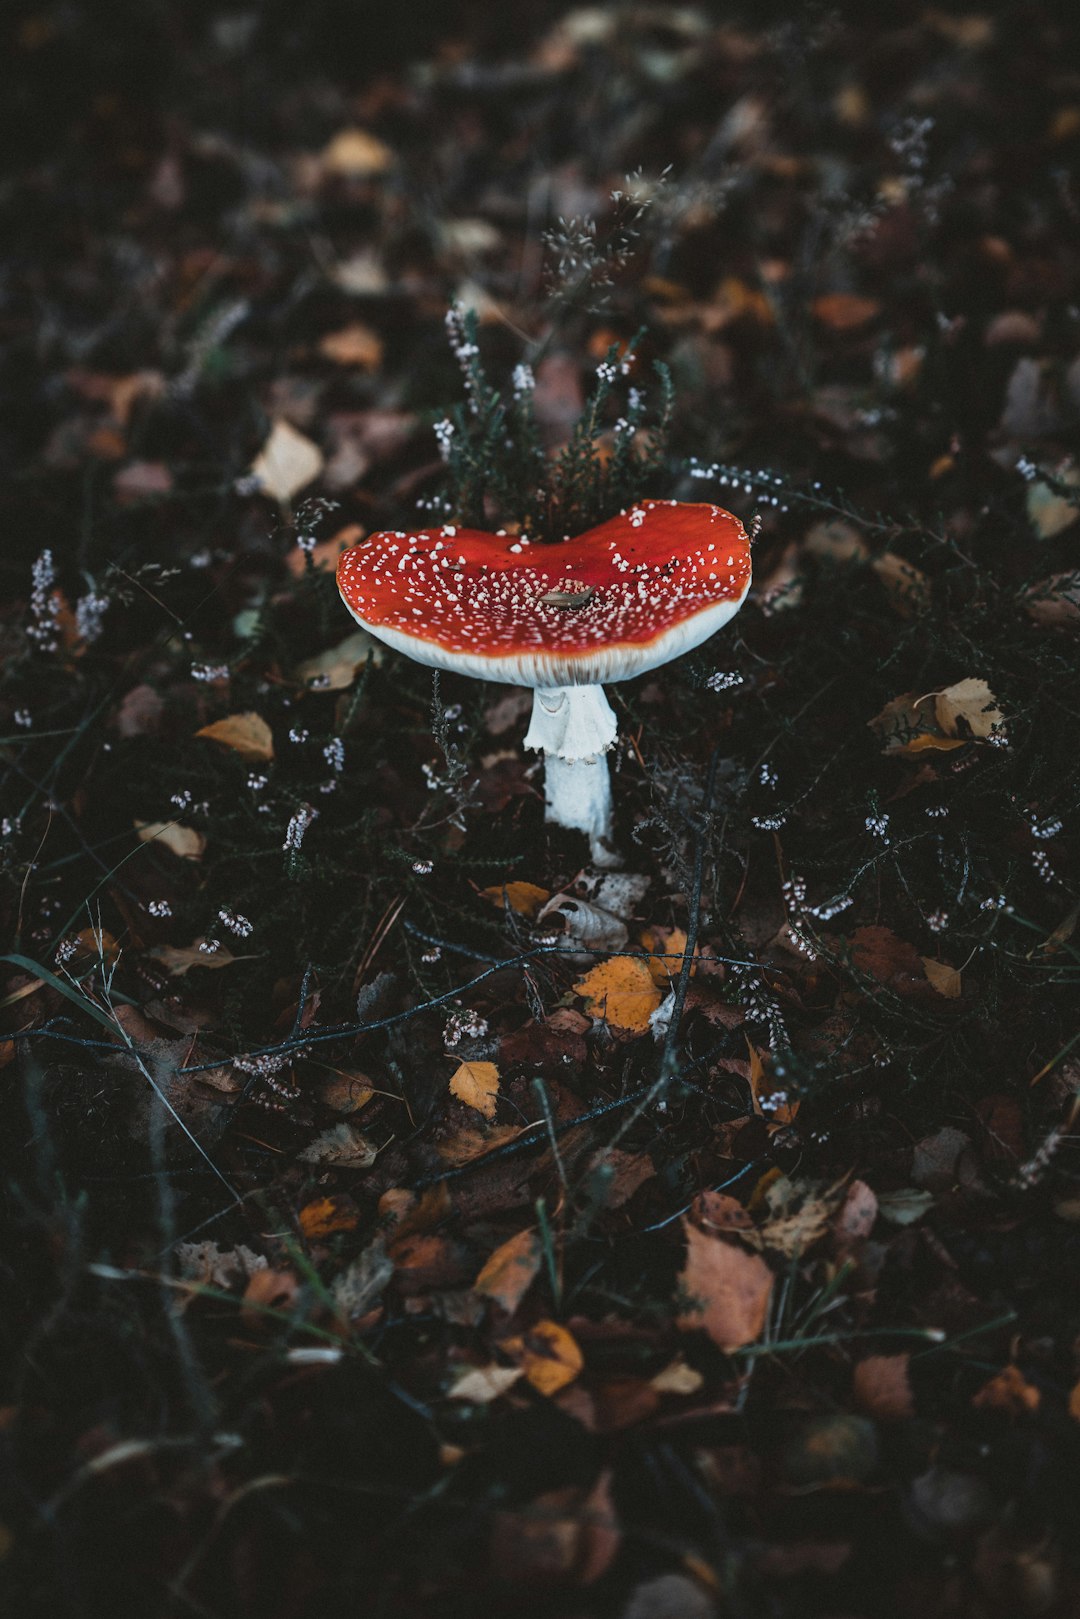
(400, 1216)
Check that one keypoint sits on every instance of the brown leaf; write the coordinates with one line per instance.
(882, 1389)
(879, 953)
(247, 734)
(845, 311)
(477, 1085)
(1050, 513)
(856, 1219)
(340, 1147)
(1055, 602)
(548, 1354)
(563, 1536)
(179, 959)
(510, 1271)
(184, 841)
(730, 1287)
(269, 1290)
(945, 979)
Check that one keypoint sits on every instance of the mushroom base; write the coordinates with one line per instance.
(574, 726)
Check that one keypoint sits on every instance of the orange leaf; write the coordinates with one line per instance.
(477, 1085)
(326, 1214)
(845, 311)
(548, 1355)
(524, 898)
(730, 1289)
(621, 990)
(355, 344)
(510, 1271)
(247, 734)
(1008, 1391)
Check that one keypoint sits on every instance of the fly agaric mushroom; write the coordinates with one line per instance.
(623, 598)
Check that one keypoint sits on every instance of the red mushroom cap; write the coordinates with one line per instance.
(625, 597)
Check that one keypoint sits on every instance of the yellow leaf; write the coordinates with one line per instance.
(509, 1272)
(247, 734)
(729, 1289)
(355, 344)
(968, 708)
(622, 991)
(477, 1085)
(524, 898)
(548, 1354)
(945, 979)
(182, 840)
(357, 153)
(667, 947)
(335, 669)
(286, 463)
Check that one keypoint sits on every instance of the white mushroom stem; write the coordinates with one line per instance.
(574, 726)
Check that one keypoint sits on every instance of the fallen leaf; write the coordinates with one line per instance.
(729, 1287)
(324, 1215)
(882, 1389)
(845, 311)
(908, 586)
(622, 991)
(268, 1290)
(482, 1384)
(335, 669)
(356, 154)
(510, 1271)
(1055, 602)
(179, 959)
(968, 708)
(354, 345)
(565, 1535)
(548, 1354)
(1074, 1403)
(945, 979)
(831, 1451)
(1008, 1391)
(286, 463)
(340, 1147)
(667, 948)
(182, 840)
(247, 734)
(905, 1206)
(524, 898)
(1051, 513)
(477, 1085)
(465, 1145)
(907, 727)
(677, 1378)
(855, 1221)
